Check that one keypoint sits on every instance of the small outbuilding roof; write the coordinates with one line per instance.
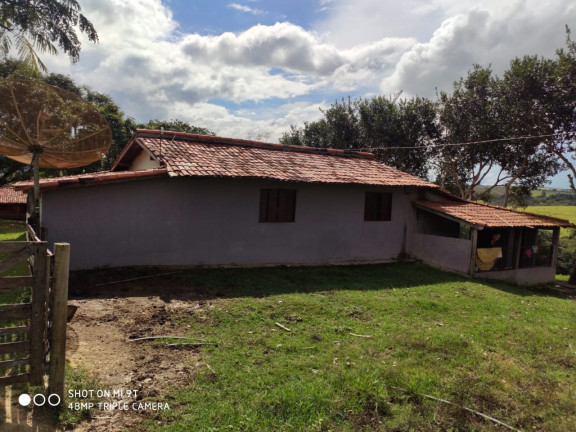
(9, 195)
(208, 156)
(489, 216)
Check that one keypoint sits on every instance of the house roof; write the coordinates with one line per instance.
(489, 216)
(92, 178)
(208, 156)
(8, 195)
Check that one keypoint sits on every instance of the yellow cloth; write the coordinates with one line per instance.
(486, 257)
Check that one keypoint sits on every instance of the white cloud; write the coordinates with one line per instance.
(262, 124)
(153, 70)
(282, 45)
(484, 36)
(247, 9)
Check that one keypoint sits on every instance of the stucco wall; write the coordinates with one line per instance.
(184, 221)
(444, 252)
(143, 162)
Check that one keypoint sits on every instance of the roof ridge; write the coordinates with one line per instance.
(210, 139)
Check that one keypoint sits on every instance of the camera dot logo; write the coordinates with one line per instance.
(39, 399)
(24, 399)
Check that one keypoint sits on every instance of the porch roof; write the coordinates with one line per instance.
(490, 216)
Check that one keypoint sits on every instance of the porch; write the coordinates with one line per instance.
(487, 241)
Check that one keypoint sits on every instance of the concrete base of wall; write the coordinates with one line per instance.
(525, 277)
(248, 266)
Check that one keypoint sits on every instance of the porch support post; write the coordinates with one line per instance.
(473, 246)
(555, 244)
(518, 248)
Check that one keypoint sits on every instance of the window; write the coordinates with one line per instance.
(277, 205)
(378, 206)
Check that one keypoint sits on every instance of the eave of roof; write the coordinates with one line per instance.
(92, 178)
(481, 215)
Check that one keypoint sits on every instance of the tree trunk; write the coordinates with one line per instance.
(506, 194)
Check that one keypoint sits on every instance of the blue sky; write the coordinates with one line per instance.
(251, 68)
(209, 17)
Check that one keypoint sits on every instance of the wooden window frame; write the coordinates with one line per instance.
(378, 207)
(277, 205)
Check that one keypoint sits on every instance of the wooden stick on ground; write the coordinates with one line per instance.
(163, 337)
(282, 327)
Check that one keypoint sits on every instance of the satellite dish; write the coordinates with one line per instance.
(47, 127)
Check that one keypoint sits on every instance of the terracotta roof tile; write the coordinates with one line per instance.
(91, 178)
(8, 195)
(207, 156)
(490, 216)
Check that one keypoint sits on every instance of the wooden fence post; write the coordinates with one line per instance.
(59, 314)
(38, 324)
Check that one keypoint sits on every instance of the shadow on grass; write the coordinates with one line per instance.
(206, 284)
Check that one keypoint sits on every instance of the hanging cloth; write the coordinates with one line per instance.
(486, 257)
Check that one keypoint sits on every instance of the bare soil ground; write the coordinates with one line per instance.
(108, 317)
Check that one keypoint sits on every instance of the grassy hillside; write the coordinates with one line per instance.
(540, 197)
(562, 212)
(366, 343)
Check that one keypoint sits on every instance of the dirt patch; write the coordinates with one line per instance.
(98, 339)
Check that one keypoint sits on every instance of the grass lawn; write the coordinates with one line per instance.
(366, 342)
(13, 231)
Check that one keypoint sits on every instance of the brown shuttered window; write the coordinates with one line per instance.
(277, 205)
(378, 206)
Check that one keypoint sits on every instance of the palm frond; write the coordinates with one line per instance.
(27, 52)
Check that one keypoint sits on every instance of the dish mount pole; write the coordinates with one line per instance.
(36, 204)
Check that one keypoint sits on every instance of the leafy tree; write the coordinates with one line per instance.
(338, 129)
(468, 114)
(122, 128)
(526, 93)
(312, 134)
(565, 122)
(483, 107)
(399, 132)
(32, 26)
(383, 126)
(563, 105)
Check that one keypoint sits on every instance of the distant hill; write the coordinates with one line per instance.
(539, 197)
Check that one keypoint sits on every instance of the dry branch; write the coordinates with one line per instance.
(163, 337)
(138, 278)
(282, 327)
(362, 336)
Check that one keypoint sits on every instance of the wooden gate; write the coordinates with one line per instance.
(24, 326)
